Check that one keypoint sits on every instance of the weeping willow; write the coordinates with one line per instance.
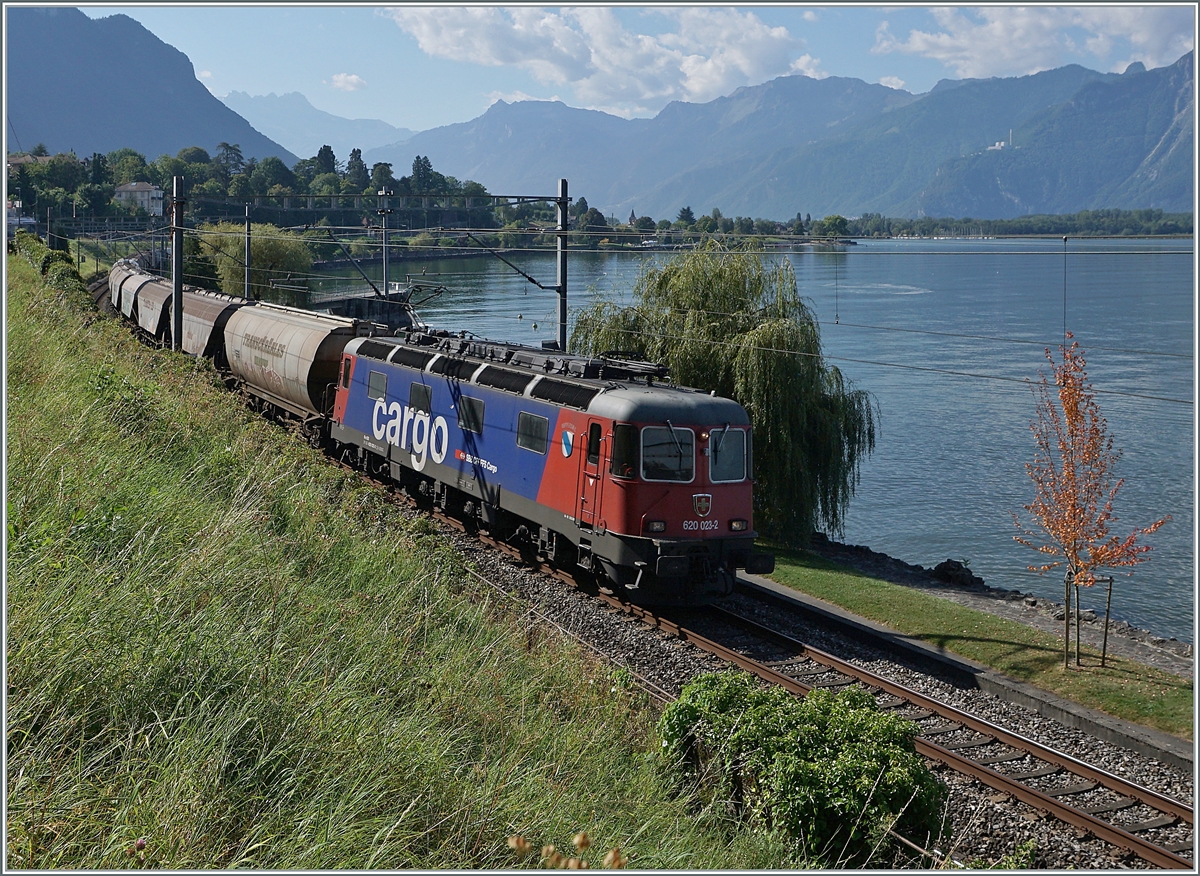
(723, 320)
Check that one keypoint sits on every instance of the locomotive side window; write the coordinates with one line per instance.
(470, 415)
(593, 449)
(668, 454)
(624, 451)
(346, 372)
(532, 432)
(727, 457)
(377, 385)
(419, 397)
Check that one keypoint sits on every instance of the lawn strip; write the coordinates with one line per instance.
(1123, 688)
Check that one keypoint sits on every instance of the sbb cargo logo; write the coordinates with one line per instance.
(475, 460)
(392, 422)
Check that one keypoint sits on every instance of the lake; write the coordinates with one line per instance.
(944, 334)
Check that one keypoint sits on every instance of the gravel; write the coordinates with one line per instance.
(986, 825)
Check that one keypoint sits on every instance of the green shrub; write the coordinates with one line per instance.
(830, 773)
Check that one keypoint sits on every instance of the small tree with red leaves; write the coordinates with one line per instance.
(1072, 473)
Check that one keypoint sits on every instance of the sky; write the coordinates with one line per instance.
(421, 67)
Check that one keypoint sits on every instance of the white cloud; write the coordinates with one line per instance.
(205, 74)
(807, 65)
(708, 52)
(1017, 41)
(348, 82)
(514, 97)
(892, 82)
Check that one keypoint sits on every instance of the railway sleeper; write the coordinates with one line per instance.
(1112, 806)
(1181, 846)
(1048, 770)
(939, 729)
(977, 742)
(1000, 758)
(1067, 791)
(1151, 824)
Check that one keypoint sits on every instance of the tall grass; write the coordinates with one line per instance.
(225, 647)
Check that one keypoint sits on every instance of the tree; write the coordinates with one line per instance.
(579, 208)
(724, 321)
(269, 173)
(326, 161)
(98, 167)
(274, 254)
(686, 217)
(229, 159)
(1074, 486)
(590, 227)
(325, 184)
(644, 223)
(381, 176)
(357, 178)
(422, 174)
(835, 226)
(706, 224)
(193, 155)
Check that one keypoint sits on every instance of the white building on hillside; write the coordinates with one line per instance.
(141, 194)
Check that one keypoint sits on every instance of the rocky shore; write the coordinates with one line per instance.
(954, 581)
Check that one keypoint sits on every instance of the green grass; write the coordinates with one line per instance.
(222, 644)
(1123, 688)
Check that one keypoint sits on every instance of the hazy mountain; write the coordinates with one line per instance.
(525, 147)
(1130, 142)
(291, 120)
(87, 85)
(883, 164)
(1082, 140)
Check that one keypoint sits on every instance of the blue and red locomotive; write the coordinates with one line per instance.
(595, 461)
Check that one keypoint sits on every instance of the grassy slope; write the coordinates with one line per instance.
(220, 643)
(1122, 688)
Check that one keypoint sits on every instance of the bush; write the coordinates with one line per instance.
(831, 774)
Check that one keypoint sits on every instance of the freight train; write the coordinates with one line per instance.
(597, 464)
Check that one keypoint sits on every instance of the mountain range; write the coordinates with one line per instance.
(291, 120)
(95, 85)
(1072, 139)
(1059, 141)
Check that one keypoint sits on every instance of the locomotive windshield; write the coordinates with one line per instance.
(727, 455)
(668, 453)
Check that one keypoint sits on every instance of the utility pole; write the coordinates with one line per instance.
(562, 203)
(177, 202)
(383, 211)
(246, 294)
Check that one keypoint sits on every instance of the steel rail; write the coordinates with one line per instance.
(1113, 782)
(1102, 830)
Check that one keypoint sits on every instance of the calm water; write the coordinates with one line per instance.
(943, 334)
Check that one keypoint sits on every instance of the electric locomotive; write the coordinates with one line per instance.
(592, 462)
(596, 461)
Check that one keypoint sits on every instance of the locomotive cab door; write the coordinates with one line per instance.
(591, 483)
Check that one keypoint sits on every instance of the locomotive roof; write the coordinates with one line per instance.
(608, 385)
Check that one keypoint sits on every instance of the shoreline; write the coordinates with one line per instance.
(951, 580)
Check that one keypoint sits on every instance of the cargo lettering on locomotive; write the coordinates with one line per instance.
(428, 439)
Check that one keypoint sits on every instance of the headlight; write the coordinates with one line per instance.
(738, 525)
(656, 526)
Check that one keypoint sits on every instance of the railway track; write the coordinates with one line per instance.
(1150, 826)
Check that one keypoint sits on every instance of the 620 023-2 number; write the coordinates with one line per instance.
(702, 525)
